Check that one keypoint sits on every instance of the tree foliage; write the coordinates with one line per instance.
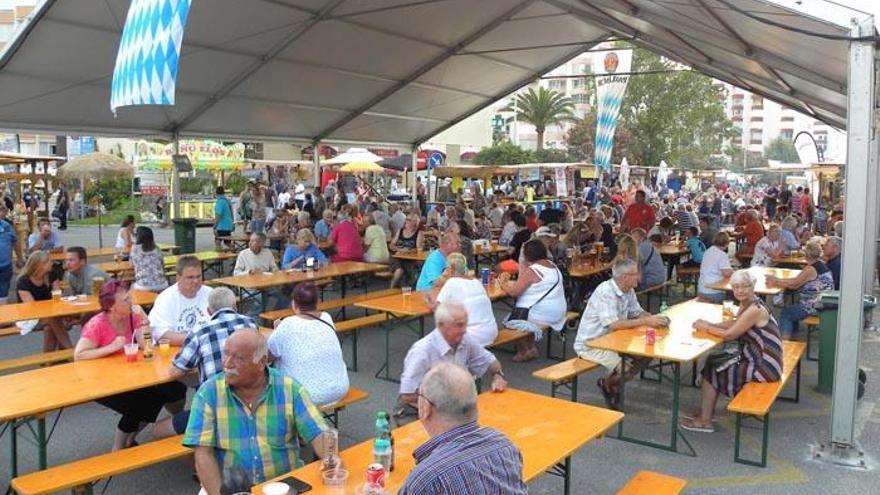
(581, 139)
(783, 150)
(504, 154)
(542, 108)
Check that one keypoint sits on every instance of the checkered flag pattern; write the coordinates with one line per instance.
(146, 65)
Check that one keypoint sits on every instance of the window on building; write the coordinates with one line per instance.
(757, 102)
(557, 84)
(577, 83)
(755, 136)
(579, 99)
(786, 134)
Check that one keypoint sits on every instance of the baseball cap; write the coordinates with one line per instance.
(544, 232)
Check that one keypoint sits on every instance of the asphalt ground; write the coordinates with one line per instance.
(600, 467)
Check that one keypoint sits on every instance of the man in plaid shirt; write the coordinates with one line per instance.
(250, 417)
(203, 350)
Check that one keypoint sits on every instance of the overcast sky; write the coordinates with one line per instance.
(869, 6)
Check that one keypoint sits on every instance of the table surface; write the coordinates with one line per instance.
(546, 431)
(47, 389)
(203, 256)
(792, 259)
(584, 269)
(673, 249)
(235, 238)
(677, 343)
(35, 310)
(106, 251)
(274, 279)
(760, 285)
(414, 303)
(421, 255)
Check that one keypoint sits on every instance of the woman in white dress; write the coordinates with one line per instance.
(462, 288)
(125, 237)
(305, 347)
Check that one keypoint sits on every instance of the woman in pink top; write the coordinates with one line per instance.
(346, 238)
(104, 335)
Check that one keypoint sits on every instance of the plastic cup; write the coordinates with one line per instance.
(334, 477)
(131, 352)
(56, 295)
(275, 489)
(164, 347)
(406, 290)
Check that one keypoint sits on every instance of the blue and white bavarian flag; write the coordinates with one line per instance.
(146, 65)
(610, 88)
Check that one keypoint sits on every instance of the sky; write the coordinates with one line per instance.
(869, 6)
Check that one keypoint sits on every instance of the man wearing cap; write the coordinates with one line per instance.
(549, 236)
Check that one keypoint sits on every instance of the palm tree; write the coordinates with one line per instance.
(542, 108)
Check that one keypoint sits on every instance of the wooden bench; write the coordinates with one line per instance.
(649, 482)
(755, 399)
(571, 321)
(270, 316)
(34, 360)
(565, 374)
(86, 473)
(659, 290)
(812, 324)
(687, 275)
(507, 336)
(9, 331)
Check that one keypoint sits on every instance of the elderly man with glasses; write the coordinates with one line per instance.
(613, 306)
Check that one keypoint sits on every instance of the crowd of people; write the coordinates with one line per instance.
(301, 364)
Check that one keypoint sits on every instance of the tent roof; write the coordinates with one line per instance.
(397, 71)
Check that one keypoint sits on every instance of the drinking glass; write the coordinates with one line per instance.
(406, 290)
(131, 352)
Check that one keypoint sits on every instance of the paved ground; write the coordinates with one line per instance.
(599, 468)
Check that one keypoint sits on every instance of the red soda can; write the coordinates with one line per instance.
(376, 474)
(650, 335)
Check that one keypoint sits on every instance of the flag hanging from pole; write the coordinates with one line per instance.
(610, 88)
(146, 64)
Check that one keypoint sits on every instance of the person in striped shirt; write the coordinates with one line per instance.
(461, 458)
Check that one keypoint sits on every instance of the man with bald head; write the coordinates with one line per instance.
(448, 342)
(242, 416)
(461, 457)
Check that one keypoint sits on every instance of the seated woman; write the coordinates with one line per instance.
(280, 229)
(539, 292)
(814, 279)
(304, 247)
(757, 335)
(33, 285)
(751, 233)
(405, 240)
(305, 347)
(147, 261)
(665, 228)
(714, 268)
(375, 242)
(461, 287)
(105, 334)
(345, 236)
(651, 262)
(768, 247)
(125, 237)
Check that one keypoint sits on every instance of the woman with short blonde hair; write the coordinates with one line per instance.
(33, 285)
(814, 279)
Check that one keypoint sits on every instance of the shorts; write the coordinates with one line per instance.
(607, 359)
(179, 421)
(5, 280)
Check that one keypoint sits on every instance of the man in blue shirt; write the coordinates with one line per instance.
(8, 244)
(434, 265)
(223, 220)
(324, 225)
(43, 239)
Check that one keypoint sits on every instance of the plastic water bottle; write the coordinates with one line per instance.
(382, 453)
(383, 431)
(664, 308)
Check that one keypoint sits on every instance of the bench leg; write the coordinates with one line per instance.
(797, 385)
(810, 357)
(354, 350)
(765, 437)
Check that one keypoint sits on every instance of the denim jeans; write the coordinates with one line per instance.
(789, 319)
(716, 298)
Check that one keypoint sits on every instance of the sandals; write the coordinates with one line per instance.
(694, 416)
(691, 425)
(611, 399)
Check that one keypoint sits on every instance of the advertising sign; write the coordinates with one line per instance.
(610, 88)
(204, 155)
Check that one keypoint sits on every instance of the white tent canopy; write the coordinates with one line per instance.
(396, 71)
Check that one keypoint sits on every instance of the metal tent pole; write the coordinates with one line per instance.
(859, 209)
(175, 180)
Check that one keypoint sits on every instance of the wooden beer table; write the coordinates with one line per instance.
(760, 273)
(794, 259)
(32, 395)
(674, 345)
(547, 432)
(36, 310)
(580, 273)
(212, 260)
(402, 309)
(106, 251)
(671, 252)
(239, 242)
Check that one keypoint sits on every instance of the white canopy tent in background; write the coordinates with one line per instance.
(401, 71)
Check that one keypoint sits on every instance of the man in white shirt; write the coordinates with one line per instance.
(496, 215)
(398, 218)
(613, 306)
(255, 259)
(183, 307)
(299, 195)
(715, 267)
(284, 198)
(448, 342)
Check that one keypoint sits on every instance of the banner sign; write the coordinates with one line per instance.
(561, 182)
(609, 95)
(146, 64)
(204, 155)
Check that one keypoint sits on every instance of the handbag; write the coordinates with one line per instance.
(520, 313)
(720, 361)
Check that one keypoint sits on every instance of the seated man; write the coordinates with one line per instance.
(460, 455)
(714, 268)
(613, 306)
(183, 307)
(250, 393)
(448, 342)
(43, 239)
(79, 274)
(203, 351)
(255, 259)
(435, 263)
(324, 226)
